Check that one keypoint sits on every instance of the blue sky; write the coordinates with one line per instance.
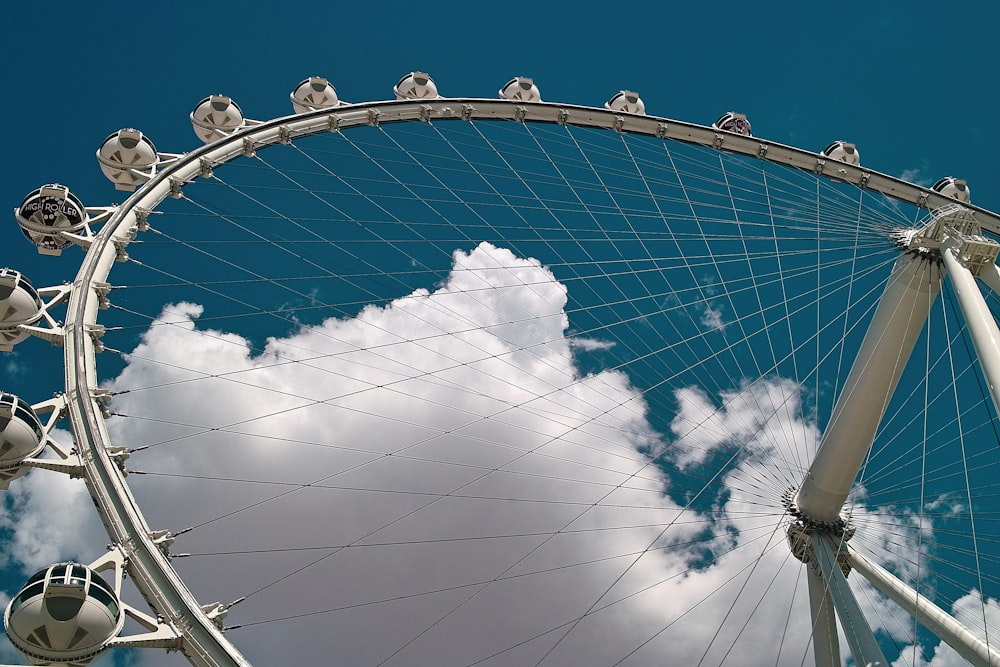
(911, 84)
(911, 87)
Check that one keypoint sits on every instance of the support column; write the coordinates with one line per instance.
(826, 642)
(860, 637)
(928, 614)
(894, 329)
(981, 324)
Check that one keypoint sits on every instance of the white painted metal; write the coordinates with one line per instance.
(928, 614)
(351, 115)
(901, 313)
(43, 325)
(860, 637)
(991, 276)
(203, 642)
(826, 642)
(981, 324)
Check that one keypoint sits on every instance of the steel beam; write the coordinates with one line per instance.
(826, 641)
(860, 637)
(928, 614)
(894, 329)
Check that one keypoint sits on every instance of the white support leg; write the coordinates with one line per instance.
(982, 326)
(860, 637)
(826, 642)
(932, 617)
(890, 338)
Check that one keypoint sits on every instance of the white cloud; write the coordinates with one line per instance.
(711, 317)
(946, 505)
(14, 368)
(486, 490)
(917, 175)
(448, 414)
(590, 344)
(483, 380)
(42, 510)
(764, 417)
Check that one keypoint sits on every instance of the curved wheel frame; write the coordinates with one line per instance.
(203, 641)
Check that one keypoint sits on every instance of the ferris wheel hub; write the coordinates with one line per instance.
(804, 529)
(837, 527)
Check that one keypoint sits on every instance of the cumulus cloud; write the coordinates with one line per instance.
(449, 443)
(444, 442)
(41, 513)
(946, 504)
(436, 481)
(763, 417)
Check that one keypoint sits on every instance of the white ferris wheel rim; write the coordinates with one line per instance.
(204, 643)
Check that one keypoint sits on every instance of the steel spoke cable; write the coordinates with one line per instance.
(711, 255)
(477, 538)
(756, 293)
(333, 175)
(668, 578)
(782, 282)
(404, 517)
(750, 474)
(609, 605)
(756, 562)
(476, 214)
(750, 617)
(504, 159)
(694, 498)
(707, 155)
(972, 513)
(751, 564)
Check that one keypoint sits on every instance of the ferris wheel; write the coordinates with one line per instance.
(467, 381)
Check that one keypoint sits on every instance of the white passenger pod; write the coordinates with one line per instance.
(314, 93)
(23, 436)
(956, 188)
(416, 86)
(53, 218)
(626, 101)
(731, 121)
(521, 89)
(218, 116)
(69, 614)
(843, 151)
(128, 158)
